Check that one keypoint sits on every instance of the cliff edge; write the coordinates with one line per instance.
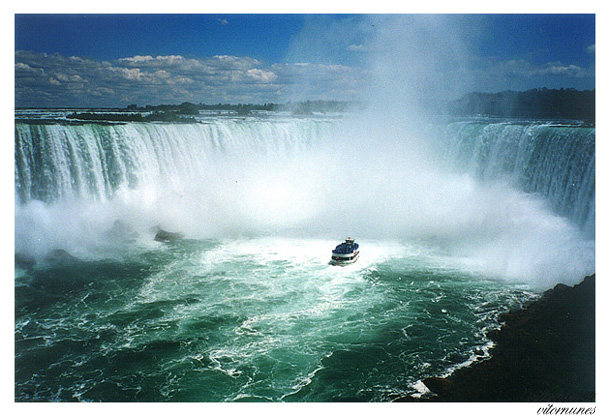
(544, 352)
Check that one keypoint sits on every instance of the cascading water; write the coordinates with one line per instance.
(246, 307)
(94, 161)
(254, 176)
(556, 161)
(221, 177)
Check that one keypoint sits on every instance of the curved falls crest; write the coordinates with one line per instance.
(236, 177)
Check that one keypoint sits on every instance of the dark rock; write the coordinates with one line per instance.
(166, 236)
(438, 385)
(60, 256)
(25, 261)
(544, 352)
(559, 288)
(122, 232)
(493, 335)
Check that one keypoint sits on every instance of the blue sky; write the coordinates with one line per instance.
(116, 60)
(107, 36)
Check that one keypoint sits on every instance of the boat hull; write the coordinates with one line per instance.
(344, 261)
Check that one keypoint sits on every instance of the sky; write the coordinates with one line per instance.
(104, 60)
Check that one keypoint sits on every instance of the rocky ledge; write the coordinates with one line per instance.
(544, 352)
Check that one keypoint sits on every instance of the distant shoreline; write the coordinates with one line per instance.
(537, 103)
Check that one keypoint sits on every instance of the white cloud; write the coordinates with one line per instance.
(261, 76)
(146, 79)
(137, 59)
(68, 78)
(102, 91)
(557, 68)
(129, 74)
(20, 66)
(356, 48)
(525, 68)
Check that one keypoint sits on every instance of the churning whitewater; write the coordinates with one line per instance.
(457, 223)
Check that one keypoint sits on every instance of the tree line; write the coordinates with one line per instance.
(302, 107)
(535, 103)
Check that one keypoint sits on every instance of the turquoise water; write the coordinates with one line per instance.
(457, 223)
(250, 320)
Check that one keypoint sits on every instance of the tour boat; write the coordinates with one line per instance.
(345, 253)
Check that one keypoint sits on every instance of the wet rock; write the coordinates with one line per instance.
(544, 352)
(60, 256)
(122, 231)
(24, 261)
(438, 385)
(166, 236)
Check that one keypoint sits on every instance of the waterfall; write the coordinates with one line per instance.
(93, 161)
(555, 161)
(512, 200)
